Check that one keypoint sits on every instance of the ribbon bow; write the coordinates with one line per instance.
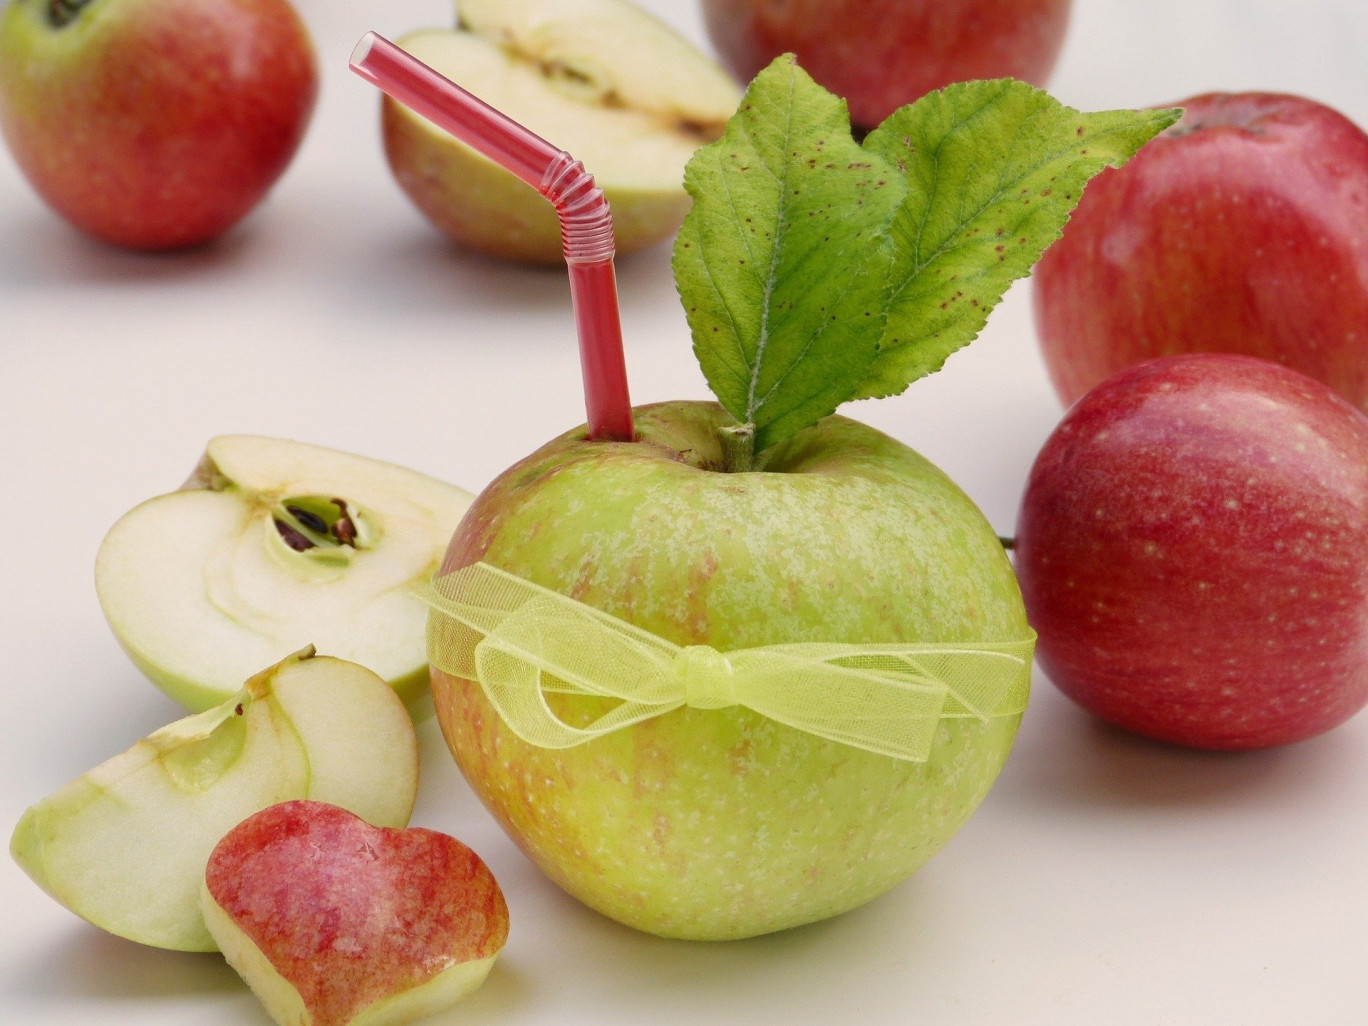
(520, 641)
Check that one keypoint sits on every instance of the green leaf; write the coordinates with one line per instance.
(782, 263)
(994, 168)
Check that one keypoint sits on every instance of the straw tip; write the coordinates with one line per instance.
(363, 49)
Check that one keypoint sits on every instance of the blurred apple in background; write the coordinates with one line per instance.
(611, 84)
(154, 124)
(1193, 550)
(720, 823)
(882, 54)
(1241, 229)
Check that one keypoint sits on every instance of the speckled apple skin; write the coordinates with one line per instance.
(723, 824)
(1238, 230)
(351, 914)
(1193, 549)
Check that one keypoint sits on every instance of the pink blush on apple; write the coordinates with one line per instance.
(348, 915)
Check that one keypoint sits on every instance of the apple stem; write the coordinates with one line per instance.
(586, 222)
(738, 448)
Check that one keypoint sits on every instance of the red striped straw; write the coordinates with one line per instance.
(586, 223)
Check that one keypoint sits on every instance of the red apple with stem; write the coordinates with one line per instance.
(881, 54)
(1238, 230)
(154, 124)
(1192, 548)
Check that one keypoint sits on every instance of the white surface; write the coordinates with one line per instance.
(1106, 881)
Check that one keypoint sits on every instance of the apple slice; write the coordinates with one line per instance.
(332, 921)
(603, 79)
(270, 546)
(124, 846)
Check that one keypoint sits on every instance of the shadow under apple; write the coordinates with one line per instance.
(42, 252)
(1067, 757)
(87, 963)
(420, 273)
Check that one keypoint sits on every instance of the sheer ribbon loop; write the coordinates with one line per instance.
(524, 644)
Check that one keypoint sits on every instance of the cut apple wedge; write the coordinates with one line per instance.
(334, 922)
(273, 545)
(124, 846)
(602, 79)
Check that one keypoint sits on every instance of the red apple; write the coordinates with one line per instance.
(882, 54)
(331, 920)
(1193, 550)
(154, 124)
(1240, 229)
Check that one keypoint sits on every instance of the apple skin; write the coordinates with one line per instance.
(882, 54)
(331, 920)
(722, 824)
(1191, 547)
(155, 124)
(1237, 230)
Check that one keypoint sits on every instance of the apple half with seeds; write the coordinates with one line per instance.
(124, 846)
(332, 921)
(611, 84)
(272, 545)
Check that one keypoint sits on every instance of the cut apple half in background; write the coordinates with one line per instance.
(273, 545)
(124, 846)
(605, 81)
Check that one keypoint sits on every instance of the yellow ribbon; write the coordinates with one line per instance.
(520, 641)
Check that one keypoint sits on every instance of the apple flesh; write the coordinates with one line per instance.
(1191, 547)
(272, 545)
(882, 54)
(154, 124)
(332, 921)
(124, 846)
(601, 79)
(1237, 230)
(715, 824)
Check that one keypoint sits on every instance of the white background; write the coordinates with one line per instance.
(1106, 881)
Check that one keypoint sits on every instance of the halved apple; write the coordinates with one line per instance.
(273, 545)
(603, 80)
(125, 845)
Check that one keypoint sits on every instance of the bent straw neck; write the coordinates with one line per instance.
(585, 220)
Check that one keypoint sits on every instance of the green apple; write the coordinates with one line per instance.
(125, 845)
(607, 82)
(272, 545)
(813, 270)
(333, 921)
(715, 824)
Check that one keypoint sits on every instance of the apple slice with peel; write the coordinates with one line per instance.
(603, 79)
(332, 921)
(124, 846)
(270, 546)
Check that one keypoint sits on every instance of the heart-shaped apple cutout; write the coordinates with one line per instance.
(333, 921)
